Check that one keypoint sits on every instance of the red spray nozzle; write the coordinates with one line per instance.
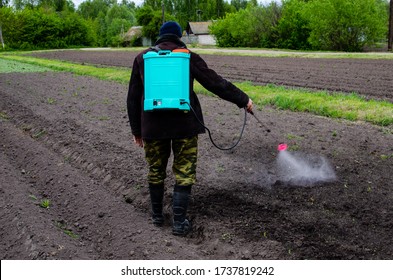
(282, 147)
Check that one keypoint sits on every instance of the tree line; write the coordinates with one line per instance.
(341, 25)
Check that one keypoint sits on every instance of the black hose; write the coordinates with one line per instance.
(210, 136)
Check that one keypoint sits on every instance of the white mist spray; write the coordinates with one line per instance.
(303, 170)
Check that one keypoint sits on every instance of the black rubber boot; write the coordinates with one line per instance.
(156, 197)
(181, 225)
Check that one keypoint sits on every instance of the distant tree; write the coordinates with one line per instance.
(144, 15)
(18, 4)
(239, 4)
(21, 4)
(154, 4)
(4, 3)
(345, 25)
(151, 20)
(253, 3)
(76, 31)
(266, 22)
(129, 4)
(41, 28)
(118, 19)
(293, 29)
(254, 26)
(92, 8)
(57, 5)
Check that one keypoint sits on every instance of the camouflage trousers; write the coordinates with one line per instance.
(157, 153)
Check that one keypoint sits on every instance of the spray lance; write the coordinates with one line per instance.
(282, 146)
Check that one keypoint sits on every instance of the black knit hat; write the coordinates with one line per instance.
(171, 27)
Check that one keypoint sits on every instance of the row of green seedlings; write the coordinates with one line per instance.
(45, 203)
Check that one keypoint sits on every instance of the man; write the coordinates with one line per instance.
(159, 132)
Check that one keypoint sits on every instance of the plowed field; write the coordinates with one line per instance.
(65, 139)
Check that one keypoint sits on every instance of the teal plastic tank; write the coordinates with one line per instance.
(167, 80)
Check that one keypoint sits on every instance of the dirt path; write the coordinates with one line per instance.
(65, 138)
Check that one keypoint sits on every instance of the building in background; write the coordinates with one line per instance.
(198, 33)
(133, 38)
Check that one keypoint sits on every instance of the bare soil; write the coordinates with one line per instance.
(65, 138)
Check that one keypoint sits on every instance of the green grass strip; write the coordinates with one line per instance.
(107, 73)
(8, 66)
(339, 105)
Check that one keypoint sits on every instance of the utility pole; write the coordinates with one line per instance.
(1, 36)
(163, 13)
(390, 36)
(199, 12)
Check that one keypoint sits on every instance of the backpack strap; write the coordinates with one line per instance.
(181, 49)
(155, 48)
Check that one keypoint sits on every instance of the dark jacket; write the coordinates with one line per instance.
(176, 124)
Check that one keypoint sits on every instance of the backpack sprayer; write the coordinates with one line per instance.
(168, 71)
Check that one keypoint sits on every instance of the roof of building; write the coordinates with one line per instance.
(134, 31)
(198, 28)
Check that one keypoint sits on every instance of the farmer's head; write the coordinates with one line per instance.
(171, 27)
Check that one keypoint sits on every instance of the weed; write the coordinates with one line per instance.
(33, 197)
(226, 236)
(138, 187)
(220, 168)
(4, 116)
(104, 118)
(387, 131)
(334, 133)
(106, 101)
(386, 157)
(26, 127)
(51, 100)
(39, 134)
(294, 148)
(293, 137)
(45, 203)
(61, 225)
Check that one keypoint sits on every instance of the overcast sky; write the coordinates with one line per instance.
(138, 2)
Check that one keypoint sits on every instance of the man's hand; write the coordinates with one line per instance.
(138, 140)
(249, 106)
